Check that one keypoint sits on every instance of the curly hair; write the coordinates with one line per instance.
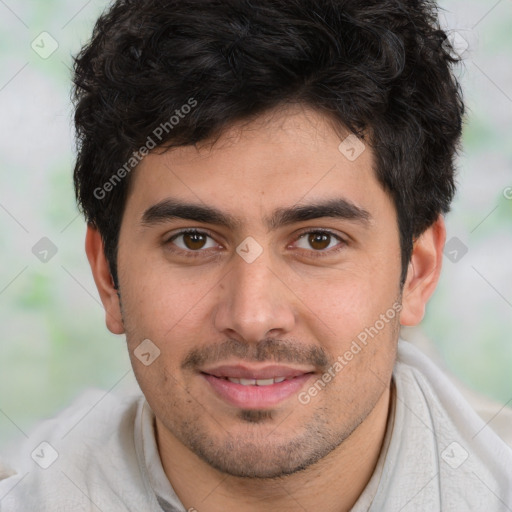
(382, 69)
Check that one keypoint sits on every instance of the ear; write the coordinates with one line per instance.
(423, 272)
(104, 282)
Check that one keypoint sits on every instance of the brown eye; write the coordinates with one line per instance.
(194, 241)
(319, 241)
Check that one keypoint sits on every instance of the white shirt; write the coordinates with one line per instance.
(438, 455)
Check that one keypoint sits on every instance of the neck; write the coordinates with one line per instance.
(332, 485)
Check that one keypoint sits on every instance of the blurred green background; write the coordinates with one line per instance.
(54, 341)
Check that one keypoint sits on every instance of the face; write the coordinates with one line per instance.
(264, 269)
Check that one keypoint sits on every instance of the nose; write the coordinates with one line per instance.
(255, 302)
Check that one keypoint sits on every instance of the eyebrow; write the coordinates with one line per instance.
(339, 208)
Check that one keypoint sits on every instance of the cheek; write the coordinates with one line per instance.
(175, 318)
(347, 304)
(157, 301)
(356, 320)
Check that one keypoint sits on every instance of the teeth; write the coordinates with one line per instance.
(264, 382)
(256, 382)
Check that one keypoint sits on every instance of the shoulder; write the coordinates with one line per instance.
(469, 458)
(69, 461)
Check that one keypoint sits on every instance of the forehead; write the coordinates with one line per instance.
(288, 157)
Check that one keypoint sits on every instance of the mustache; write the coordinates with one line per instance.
(270, 349)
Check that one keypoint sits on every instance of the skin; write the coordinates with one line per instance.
(287, 306)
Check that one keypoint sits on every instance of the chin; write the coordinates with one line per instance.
(262, 455)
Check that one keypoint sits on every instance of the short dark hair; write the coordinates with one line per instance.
(383, 69)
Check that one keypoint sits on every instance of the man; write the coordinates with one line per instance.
(264, 184)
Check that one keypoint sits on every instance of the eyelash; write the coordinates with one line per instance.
(315, 254)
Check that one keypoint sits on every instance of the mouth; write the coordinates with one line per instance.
(255, 388)
(256, 382)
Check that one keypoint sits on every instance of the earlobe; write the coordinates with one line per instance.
(94, 249)
(423, 272)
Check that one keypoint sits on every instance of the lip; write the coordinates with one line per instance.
(254, 396)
